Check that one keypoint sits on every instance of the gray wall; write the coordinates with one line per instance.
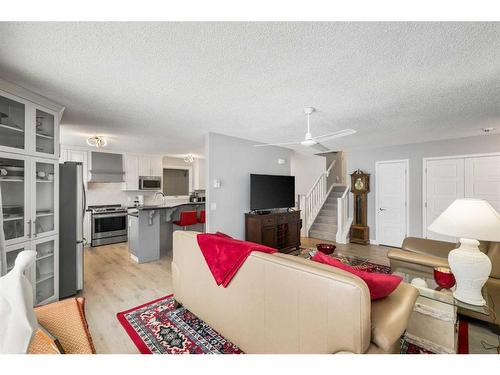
(232, 160)
(306, 169)
(365, 160)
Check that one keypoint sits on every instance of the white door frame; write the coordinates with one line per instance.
(407, 188)
(424, 180)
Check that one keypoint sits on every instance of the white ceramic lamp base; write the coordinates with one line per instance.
(471, 268)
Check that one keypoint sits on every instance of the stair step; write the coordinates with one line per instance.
(326, 219)
(328, 212)
(330, 206)
(324, 227)
(322, 235)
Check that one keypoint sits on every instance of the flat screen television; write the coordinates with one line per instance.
(269, 192)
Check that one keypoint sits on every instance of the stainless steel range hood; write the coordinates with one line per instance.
(106, 167)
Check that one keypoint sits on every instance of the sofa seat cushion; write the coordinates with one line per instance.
(380, 285)
(389, 316)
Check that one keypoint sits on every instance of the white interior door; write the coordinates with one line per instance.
(482, 179)
(391, 205)
(444, 184)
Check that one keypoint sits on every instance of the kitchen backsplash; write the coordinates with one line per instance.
(112, 193)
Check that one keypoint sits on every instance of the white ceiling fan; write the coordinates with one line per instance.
(309, 140)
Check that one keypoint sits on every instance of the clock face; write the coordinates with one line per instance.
(359, 184)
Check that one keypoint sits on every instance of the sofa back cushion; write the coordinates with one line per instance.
(276, 303)
(494, 255)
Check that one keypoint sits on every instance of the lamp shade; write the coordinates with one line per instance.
(469, 218)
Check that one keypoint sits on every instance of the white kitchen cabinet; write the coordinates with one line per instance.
(28, 128)
(150, 166)
(131, 164)
(157, 166)
(140, 165)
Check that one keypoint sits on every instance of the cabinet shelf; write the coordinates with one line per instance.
(40, 180)
(44, 136)
(42, 214)
(11, 179)
(13, 218)
(45, 277)
(45, 256)
(12, 128)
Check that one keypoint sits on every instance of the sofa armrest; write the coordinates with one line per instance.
(417, 259)
(390, 316)
(425, 246)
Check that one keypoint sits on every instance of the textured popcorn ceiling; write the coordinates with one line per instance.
(159, 87)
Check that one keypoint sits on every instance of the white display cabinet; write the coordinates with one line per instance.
(29, 182)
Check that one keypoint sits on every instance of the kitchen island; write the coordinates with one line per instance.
(150, 229)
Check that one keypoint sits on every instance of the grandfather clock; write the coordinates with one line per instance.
(360, 186)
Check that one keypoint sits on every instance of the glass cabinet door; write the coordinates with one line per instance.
(44, 198)
(14, 189)
(12, 123)
(45, 132)
(45, 270)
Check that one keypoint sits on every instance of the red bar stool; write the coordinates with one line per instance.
(186, 218)
(202, 219)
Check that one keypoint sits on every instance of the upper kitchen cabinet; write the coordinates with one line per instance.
(140, 165)
(13, 118)
(150, 166)
(28, 127)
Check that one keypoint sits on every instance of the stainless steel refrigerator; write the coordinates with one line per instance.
(72, 203)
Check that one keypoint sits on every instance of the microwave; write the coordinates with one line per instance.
(149, 183)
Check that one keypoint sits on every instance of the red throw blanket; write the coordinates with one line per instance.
(225, 255)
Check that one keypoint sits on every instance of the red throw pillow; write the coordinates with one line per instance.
(379, 284)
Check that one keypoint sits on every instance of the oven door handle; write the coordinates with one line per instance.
(103, 216)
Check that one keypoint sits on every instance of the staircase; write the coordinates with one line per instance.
(324, 226)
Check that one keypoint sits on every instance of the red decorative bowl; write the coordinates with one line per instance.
(326, 248)
(444, 278)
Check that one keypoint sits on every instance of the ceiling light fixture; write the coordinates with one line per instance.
(96, 141)
(189, 158)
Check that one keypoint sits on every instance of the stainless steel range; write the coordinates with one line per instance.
(109, 224)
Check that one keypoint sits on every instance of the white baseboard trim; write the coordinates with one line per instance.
(373, 242)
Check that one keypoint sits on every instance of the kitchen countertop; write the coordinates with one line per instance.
(165, 206)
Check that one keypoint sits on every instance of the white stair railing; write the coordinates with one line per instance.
(343, 219)
(316, 197)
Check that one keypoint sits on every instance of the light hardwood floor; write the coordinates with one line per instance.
(113, 283)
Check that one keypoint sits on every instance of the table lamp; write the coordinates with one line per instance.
(470, 220)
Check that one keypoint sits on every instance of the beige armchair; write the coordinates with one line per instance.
(421, 256)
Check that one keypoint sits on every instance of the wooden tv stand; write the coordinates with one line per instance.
(280, 230)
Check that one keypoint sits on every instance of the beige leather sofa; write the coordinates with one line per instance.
(421, 256)
(281, 303)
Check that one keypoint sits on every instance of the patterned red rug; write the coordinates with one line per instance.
(158, 328)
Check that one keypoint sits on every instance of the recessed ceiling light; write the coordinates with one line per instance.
(488, 130)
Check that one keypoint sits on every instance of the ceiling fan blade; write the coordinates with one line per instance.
(320, 147)
(277, 144)
(340, 133)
